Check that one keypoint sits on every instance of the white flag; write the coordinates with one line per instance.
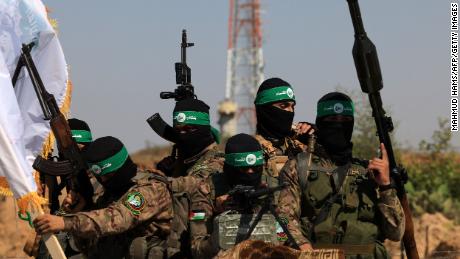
(13, 165)
(23, 22)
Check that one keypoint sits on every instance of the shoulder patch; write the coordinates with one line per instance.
(135, 202)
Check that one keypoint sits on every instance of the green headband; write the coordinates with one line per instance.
(191, 117)
(275, 94)
(334, 107)
(110, 164)
(82, 136)
(245, 159)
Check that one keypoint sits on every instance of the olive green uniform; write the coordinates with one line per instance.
(360, 217)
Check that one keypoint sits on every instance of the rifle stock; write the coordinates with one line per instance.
(370, 79)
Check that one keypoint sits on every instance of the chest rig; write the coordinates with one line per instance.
(231, 226)
(339, 205)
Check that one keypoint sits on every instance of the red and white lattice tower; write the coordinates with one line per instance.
(244, 68)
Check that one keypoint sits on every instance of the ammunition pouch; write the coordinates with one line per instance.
(230, 227)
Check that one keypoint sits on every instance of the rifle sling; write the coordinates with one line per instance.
(338, 175)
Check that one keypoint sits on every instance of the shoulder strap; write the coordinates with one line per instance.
(302, 170)
(341, 172)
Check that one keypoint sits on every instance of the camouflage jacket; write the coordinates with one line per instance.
(145, 210)
(201, 165)
(360, 214)
(206, 201)
(276, 155)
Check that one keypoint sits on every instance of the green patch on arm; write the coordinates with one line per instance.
(135, 202)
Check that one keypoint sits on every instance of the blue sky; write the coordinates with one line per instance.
(121, 55)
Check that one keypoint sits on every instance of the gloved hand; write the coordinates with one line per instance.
(166, 165)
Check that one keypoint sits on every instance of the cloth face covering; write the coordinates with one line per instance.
(236, 177)
(120, 181)
(193, 142)
(335, 137)
(274, 122)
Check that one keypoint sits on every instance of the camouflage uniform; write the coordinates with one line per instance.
(359, 219)
(276, 157)
(201, 165)
(107, 232)
(205, 199)
(183, 187)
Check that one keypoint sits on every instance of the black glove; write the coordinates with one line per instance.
(166, 165)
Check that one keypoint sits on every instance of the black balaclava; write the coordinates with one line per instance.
(192, 143)
(243, 150)
(108, 156)
(272, 122)
(335, 137)
(81, 132)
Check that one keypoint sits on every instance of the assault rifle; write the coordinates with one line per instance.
(72, 163)
(370, 79)
(183, 91)
(244, 198)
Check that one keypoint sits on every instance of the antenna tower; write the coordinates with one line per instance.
(244, 68)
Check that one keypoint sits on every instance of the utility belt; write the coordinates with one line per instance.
(349, 249)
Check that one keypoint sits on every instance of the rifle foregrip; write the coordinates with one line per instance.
(59, 168)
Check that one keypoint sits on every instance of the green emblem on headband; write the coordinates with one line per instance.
(191, 117)
(245, 159)
(82, 136)
(333, 107)
(280, 93)
(110, 164)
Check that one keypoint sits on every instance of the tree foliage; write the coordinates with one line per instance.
(434, 173)
(434, 169)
